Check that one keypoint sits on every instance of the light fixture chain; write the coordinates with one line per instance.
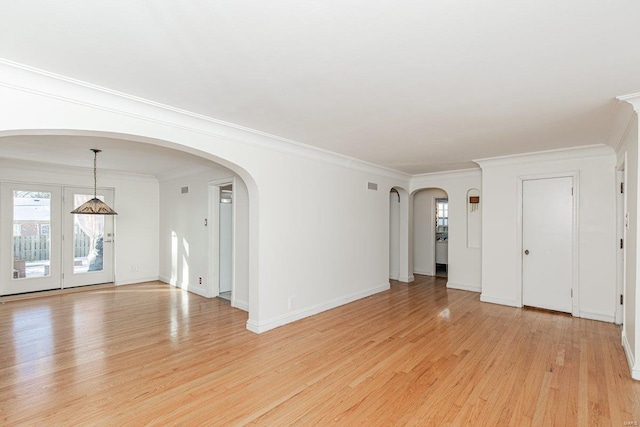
(95, 174)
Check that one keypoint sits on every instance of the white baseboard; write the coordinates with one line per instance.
(190, 288)
(501, 301)
(135, 281)
(394, 276)
(406, 279)
(462, 287)
(260, 327)
(242, 305)
(423, 272)
(635, 370)
(598, 316)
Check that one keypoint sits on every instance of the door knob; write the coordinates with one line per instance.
(526, 252)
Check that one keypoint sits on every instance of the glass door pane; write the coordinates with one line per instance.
(31, 234)
(30, 238)
(88, 242)
(88, 238)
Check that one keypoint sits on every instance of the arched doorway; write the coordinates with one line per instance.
(431, 232)
(175, 193)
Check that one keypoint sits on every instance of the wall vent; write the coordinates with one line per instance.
(184, 190)
(372, 186)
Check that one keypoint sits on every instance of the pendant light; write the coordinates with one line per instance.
(94, 206)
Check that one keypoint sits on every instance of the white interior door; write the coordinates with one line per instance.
(547, 243)
(30, 231)
(88, 240)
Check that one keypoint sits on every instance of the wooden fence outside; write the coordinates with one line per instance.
(37, 248)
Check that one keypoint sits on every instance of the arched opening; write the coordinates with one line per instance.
(394, 234)
(431, 232)
(161, 193)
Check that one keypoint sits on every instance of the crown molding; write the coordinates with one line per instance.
(75, 171)
(458, 173)
(596, 150)
(32, 80)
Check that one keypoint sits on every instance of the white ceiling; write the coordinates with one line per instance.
(117, 155)
(416, 86)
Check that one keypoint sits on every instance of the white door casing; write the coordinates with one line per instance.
(14, 271)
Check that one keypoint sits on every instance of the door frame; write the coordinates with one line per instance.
(67, 239)
(212, 288)
(622, 226)
(35, 284)
(575, 282)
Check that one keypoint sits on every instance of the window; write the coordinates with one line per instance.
(17, 230)
(45, 229)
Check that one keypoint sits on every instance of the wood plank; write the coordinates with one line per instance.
(418, 354)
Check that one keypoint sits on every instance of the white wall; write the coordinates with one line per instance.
(424, 232)
(136, 201)
(184, 238)
(464, 268)
(317, 236)
(627, 156)
(501, 254)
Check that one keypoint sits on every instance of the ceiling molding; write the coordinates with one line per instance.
(75, 171)
(29, 79)
(595, 150)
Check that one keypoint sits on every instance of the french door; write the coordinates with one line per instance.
(43, 246)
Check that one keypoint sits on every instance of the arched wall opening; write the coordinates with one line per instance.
(182, 257)
(430, 232)
(399, 266)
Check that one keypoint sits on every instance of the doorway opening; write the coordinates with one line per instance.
(222, 239)
(394, 234)
(431, 232)
(225, 237)
(442, 237)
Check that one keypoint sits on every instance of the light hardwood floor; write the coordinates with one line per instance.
(418, 354)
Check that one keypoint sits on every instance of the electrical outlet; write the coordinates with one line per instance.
(134, 268)
(290, 300)
(200, 280)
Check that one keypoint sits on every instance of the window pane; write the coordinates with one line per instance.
(31, 248)
(88, 231)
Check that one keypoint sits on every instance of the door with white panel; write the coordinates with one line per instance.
(547, 243)
(30, 233)
(88, 240)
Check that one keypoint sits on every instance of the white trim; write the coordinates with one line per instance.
(633, 369)
(75, 171)
(423, 273)
(460, 286)
(260, 327)
(500, 301)
(241, 305)
(141, 280)
(198, 290)
(394, 276)
(406, 279)
(458, 173)
(24, 78)
(575, 258)
(609, 318)
(584, 151)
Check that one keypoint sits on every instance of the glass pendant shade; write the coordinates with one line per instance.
(94, 206)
